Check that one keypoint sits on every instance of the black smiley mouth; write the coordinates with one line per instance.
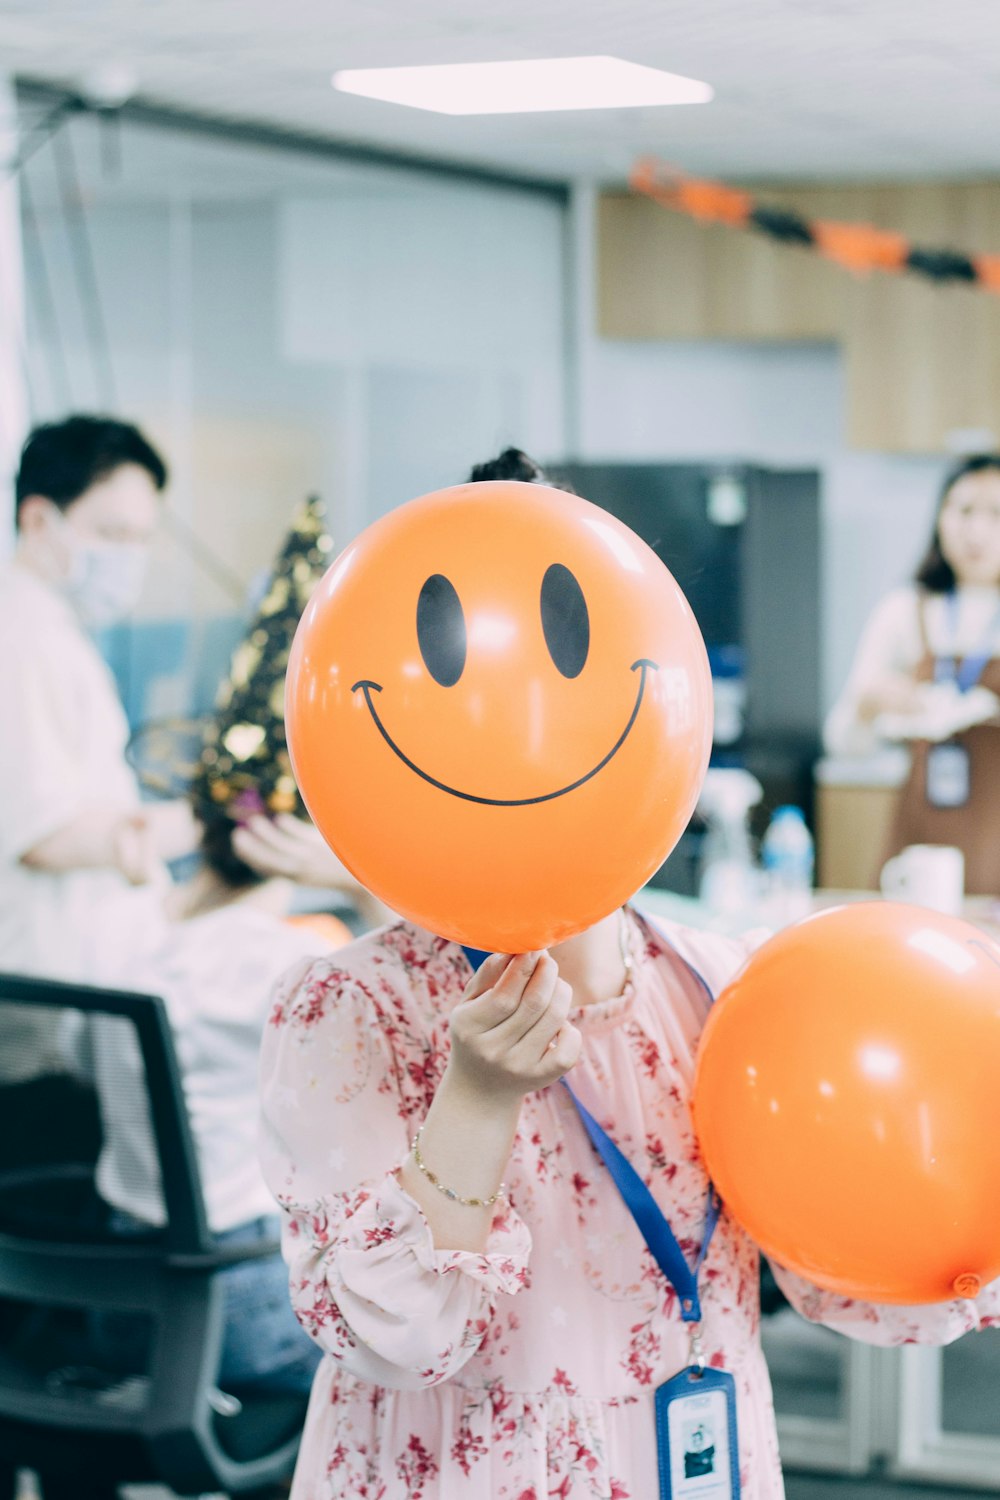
(367, 686)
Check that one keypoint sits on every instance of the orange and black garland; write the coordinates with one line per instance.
(857, 247)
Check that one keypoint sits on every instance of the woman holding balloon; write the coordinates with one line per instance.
(523, 1290)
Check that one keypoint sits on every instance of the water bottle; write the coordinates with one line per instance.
(788, 857)
(729, 884)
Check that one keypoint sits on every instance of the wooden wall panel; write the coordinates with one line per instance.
(921, 360)
(662, 276)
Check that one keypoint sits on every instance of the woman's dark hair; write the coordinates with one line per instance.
(934, 572)
(61, 460)
(217, 848)
(514, 463)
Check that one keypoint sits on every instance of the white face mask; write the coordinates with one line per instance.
(105, 580)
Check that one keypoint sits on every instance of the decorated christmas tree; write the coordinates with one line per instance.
(244, 767)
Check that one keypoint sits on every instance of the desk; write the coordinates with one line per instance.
(982, 911)
(855, 805)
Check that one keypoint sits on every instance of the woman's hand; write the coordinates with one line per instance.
(101, 838)
(898, 695)
(510, 1034)
(134, 849)
(291, 849)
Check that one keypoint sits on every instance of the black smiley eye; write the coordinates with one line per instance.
(565, 620)
(441, 630)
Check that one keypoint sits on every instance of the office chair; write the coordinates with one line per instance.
(85, 1428)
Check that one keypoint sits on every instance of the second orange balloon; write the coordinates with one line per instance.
(846, 1102)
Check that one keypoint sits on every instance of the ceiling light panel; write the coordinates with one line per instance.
(535, 86)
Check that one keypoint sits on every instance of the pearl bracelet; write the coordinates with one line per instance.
(448, 1192)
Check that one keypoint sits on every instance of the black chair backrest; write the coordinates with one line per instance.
(187, 1227)
(168, 1426)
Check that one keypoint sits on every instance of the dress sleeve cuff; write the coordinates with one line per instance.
(398, 1222)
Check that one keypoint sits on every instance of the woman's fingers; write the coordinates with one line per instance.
(495, 992)
(261, 846)
(293, 849)
(486, 975)
(538, 1037)
(511, 995)
(511, 1031)
(564, 1050)
(298, 830)
(525, 1003)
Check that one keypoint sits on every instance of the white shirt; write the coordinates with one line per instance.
(215, 974)
(63, 734)
(891, 643)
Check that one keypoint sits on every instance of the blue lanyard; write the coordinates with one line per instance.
(652, 1225)
(967, 673)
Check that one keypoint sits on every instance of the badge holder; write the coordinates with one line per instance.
(948, 775)
(696, 1439)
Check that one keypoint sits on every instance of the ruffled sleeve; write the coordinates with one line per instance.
(367, 1282)
(880, 1323)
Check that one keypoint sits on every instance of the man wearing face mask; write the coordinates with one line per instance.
(79, 854)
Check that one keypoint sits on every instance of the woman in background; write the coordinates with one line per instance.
(927, 672)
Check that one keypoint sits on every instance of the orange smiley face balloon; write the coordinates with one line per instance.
(499, 710)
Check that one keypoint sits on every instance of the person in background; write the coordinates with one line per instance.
(491, 1321)
(927, 673)
(81, 859)
(223, 944)
(224, 938)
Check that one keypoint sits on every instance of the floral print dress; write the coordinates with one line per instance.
(526, 1372)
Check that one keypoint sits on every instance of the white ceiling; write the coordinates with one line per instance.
(804, 88)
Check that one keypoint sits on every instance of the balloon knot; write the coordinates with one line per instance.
(967, 1285)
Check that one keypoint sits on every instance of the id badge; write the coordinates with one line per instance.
(696, 1439)
(948, 775)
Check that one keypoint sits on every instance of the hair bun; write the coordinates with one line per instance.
(512, 463)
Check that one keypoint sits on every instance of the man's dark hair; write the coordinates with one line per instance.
(61, 460)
